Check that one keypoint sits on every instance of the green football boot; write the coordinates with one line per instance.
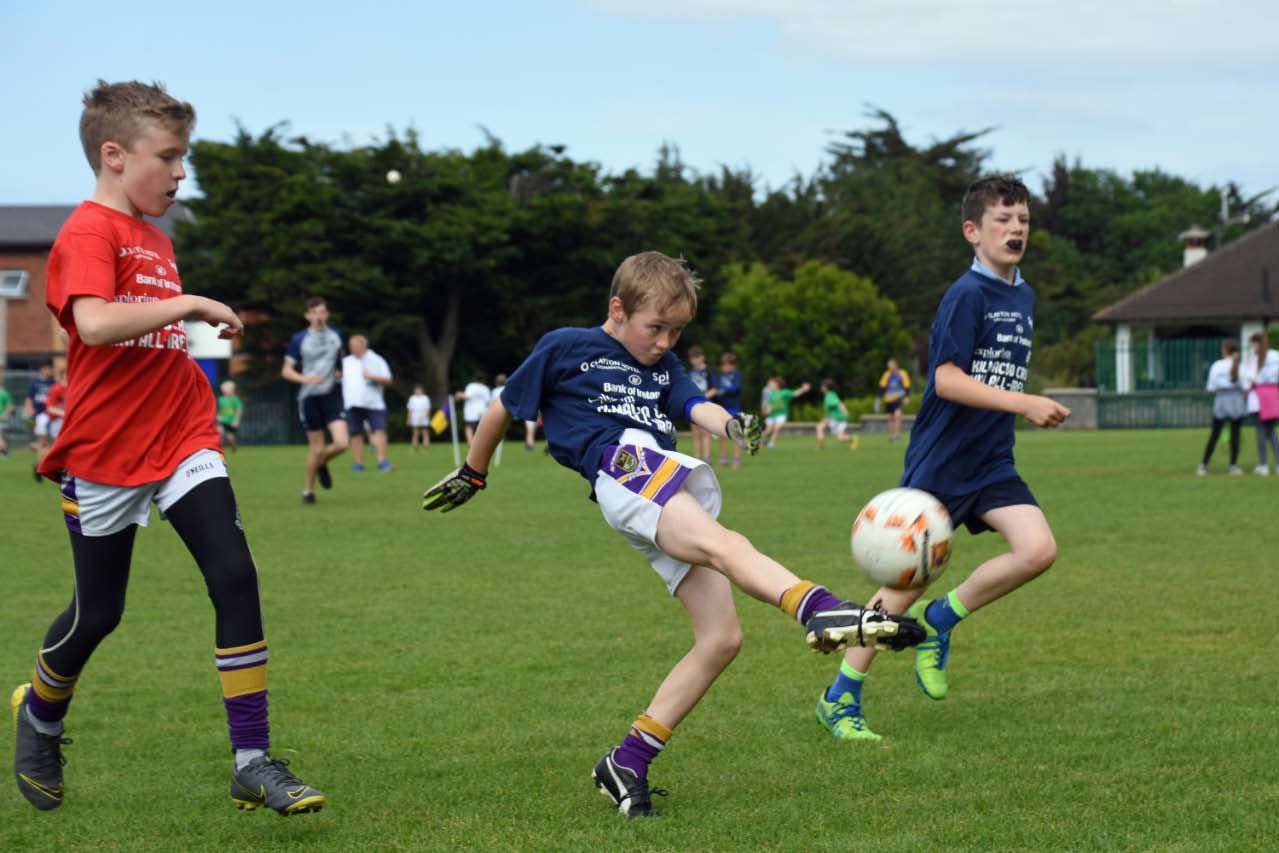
(931, 655)
(843, 718)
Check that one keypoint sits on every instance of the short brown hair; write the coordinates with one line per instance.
(119, 112)
(315, 302)
(656, 279)
(991, 191)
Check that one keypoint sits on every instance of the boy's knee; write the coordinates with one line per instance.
(231, 578)
(727, 544)
(340, 444)
(723, 645)
(1041, 556)
(101, 620)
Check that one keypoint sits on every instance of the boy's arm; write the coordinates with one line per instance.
(99, 322)
(953, 384)
(460, 486)
(743, 430)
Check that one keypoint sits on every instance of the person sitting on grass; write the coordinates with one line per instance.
(609, 396)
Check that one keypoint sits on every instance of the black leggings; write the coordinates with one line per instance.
(1217, 424)
(208, 522)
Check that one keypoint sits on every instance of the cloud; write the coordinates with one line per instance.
(989, 31)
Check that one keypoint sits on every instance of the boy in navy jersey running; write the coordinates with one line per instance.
(961, 446)
(608, 397)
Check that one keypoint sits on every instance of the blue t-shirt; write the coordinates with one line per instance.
(316, 354)
(701, 377)
(39, 392)
(729, 386)
(983, 326)
(589, 389)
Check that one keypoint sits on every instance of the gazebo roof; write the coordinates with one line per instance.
(1238, 282)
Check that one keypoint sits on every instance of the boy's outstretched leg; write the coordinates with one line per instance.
(622, 774)
(209, 524)
(687, 532)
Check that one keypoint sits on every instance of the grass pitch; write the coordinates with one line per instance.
(449, 681)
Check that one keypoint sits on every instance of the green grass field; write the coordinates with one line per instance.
(449, 681)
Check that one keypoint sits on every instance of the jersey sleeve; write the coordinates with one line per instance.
(683, 391)
(293, 355)
(905, 379)
(522, 393)
(955, 328)
(87, 260)
(883, 381)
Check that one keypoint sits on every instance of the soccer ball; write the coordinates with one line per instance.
(901, 539)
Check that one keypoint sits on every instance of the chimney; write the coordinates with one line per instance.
(1195, 242)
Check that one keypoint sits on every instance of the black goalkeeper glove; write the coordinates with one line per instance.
(454, 490)
(744, 430)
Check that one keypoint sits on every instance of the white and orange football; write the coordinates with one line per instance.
(901, 539)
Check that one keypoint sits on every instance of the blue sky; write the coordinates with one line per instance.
(1191, 86)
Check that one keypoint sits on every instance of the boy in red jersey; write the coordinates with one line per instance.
(139, 430)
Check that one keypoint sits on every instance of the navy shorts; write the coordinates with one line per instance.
(357, 417)
(318, 412)
(968, 509)
(893, 406)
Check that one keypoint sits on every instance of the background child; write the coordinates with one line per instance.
(140, 430)
(613, 423)
(475, 399)
(961, 449)
(894, 389)
(418, 411)
(779, 402)
(312, 362)
(834, 415)
(726, 389)
(230, 411)
(700, 375)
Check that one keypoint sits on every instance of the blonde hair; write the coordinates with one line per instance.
(651, 278)
(120, 112)
(227, 388)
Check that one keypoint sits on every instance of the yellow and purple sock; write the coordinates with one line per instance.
(848, 680)
(804, 599)
(242, 670)
(945, 613)
(50, 693)
(641, 745)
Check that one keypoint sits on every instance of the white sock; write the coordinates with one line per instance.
(244, 756)
(43, 727)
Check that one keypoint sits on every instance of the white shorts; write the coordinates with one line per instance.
(633, 486)
(419, 423)
(837, 426)
(55, 428)
(776, 420)
(42, 424)
(98, 509)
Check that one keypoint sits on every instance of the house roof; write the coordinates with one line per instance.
(1237, 282)
(36, 225)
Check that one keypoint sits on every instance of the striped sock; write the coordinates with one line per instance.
(945, 613)
(806, 598)
(50, 694)
(641, 745)
(849, 680)
(242, 670)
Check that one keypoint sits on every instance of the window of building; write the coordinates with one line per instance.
(13, 284)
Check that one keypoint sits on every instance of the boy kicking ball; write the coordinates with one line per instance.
(140, 430)
(608, 397)
(961, 446)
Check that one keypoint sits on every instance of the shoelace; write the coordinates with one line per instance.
(54, 744)
(876, 614)
(940, 647)
(277, 771)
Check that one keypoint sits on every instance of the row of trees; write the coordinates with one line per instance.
(471, 256)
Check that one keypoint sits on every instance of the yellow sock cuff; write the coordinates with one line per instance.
(794, 597)
(649, 726)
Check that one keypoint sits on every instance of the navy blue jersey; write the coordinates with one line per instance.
(39, 392)
(701, 377)
(729, 386)
(983, 326)
(589, 389)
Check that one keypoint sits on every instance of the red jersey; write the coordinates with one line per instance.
(56, 396)
(137, 408)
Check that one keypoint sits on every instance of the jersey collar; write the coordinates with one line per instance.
(981, 269)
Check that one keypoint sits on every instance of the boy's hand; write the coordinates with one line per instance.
(215, 314)
(454, 490)
(1045, 412)
(744, 430)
